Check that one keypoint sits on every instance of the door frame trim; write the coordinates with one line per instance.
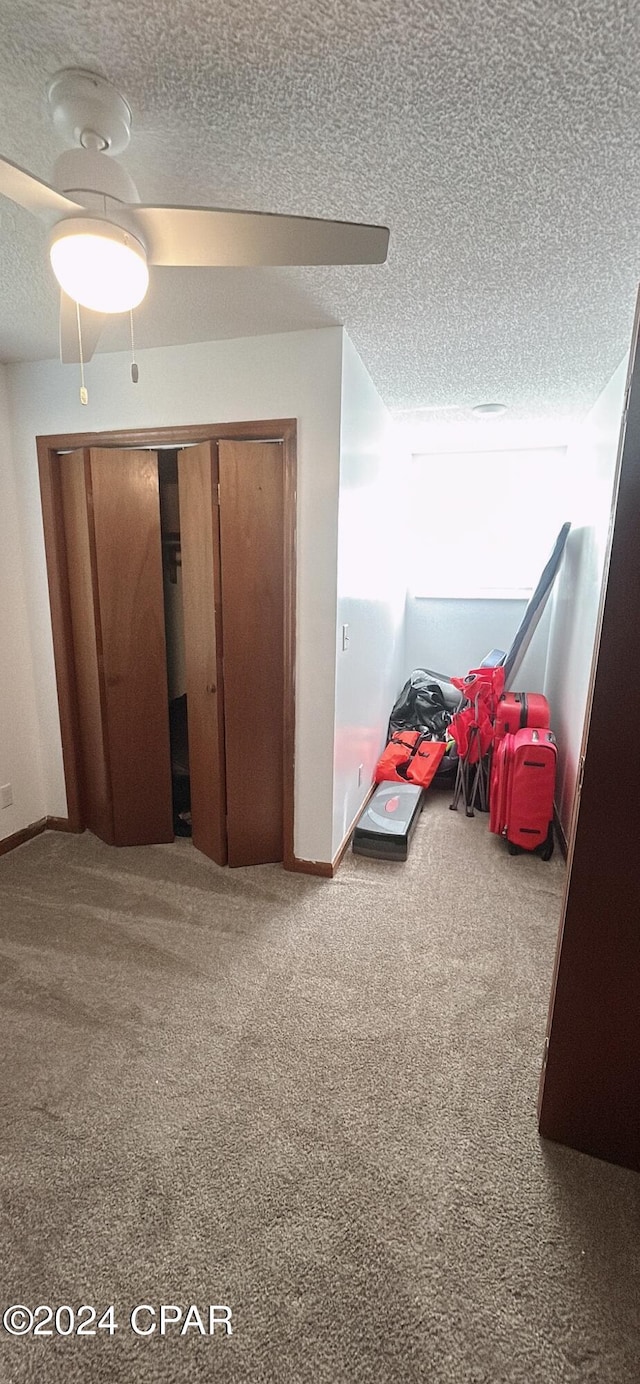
(49, 448)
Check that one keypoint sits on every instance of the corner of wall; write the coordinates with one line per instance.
(371, 591)
(578, 591)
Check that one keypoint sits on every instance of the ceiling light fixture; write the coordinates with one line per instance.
(489, 410)
(98, 264)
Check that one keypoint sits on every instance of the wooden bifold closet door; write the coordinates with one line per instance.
(232, 546)
(111, 515)
(252, 564)
(231, 499)
(201, 599)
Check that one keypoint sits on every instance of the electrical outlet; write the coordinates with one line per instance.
(360, 774)
(6, 795)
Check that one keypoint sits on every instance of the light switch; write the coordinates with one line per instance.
(345, 637)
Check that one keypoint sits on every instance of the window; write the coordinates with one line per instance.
(483, 523)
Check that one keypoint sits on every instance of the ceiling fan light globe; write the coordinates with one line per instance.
(99, 265)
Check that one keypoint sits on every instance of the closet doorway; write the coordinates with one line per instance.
(171, 563)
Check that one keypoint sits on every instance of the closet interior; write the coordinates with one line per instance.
(174, 637)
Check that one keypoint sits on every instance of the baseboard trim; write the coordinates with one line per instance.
(61, 824)
(297, 866)
(326, 869)
(562, 840)
(339, 855)
(18, 838)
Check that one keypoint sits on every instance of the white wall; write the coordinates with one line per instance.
(20, 763)
(488, 508)
(294, 375)
(576, 596)
(372, 579)
(452, 636)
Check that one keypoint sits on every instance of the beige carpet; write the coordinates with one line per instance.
(313, 1101)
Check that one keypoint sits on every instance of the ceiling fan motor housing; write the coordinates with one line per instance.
(95, 120)
(88, 173)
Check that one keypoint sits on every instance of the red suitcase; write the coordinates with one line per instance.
(497, 786)
(523, 777)
(519, 709)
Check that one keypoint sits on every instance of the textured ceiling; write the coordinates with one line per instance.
(497, 138)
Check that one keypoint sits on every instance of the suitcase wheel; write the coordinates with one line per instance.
(512, 848)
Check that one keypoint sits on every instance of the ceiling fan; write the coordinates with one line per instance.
(102, 238)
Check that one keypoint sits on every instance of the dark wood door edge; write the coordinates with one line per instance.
(589, 1084)
(60, 608)
(570, 1135)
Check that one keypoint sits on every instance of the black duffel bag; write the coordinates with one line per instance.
(422, 706)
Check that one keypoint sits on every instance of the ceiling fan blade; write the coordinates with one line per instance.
(32, 194)
(209, 237)
(91, 324)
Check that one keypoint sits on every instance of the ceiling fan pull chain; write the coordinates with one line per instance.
(84, 396)
(135, 374)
